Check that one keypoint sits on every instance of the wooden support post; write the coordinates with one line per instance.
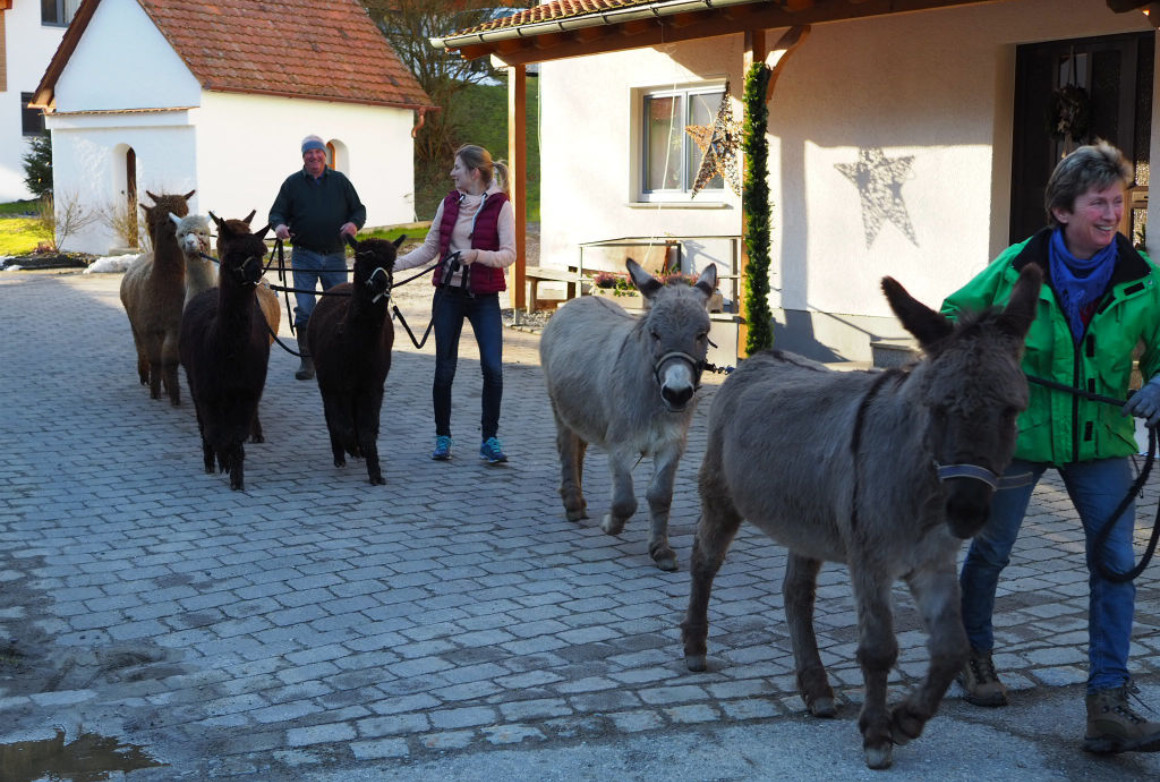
(518, 171)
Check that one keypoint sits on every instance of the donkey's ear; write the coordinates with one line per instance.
(250, 216)
(644, 282)
(399, 242)
(220, 223)
(707, 282)
(1024, 302)
(262, 234)
(155, 198)
(187, 196)
(927, 326)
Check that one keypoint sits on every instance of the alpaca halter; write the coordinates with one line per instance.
(370, 283)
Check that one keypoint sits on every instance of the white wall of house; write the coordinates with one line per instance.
(28, 47)
(934, 86)
(89, 170)
(233, 149)
(247, 145)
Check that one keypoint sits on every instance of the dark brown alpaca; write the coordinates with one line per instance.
(225, 349)
(153, 294)
(267, 299)
(350, 337)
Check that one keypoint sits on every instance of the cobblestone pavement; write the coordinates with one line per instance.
(315, 624)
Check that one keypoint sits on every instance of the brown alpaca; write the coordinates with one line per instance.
(153, 294)
(267, 299)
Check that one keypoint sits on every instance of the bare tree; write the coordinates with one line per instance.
(408, 26)
(63, 216)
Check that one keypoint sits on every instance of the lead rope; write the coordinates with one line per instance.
(1137, 488)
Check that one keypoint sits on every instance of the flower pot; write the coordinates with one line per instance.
(627, 299)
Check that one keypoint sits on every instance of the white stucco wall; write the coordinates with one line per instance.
(247, 145)
(28, 46)
(89, 168)
(123, 62)
(233, 149)
(934, 86)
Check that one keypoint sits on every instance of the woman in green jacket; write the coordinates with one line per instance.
(1101, 299)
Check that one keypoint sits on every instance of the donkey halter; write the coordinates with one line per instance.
(979, 473)
(697, 365)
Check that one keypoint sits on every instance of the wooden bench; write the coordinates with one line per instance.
(535, 274)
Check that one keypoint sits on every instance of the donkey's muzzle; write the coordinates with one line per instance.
(968, 505)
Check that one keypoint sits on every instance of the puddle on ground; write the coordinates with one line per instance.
(88, 758)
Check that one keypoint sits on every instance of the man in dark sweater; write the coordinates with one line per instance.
(317, 208)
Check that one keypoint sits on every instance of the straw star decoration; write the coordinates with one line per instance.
(879, 180)
(719, 145)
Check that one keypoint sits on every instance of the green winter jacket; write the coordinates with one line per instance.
(1058, 427)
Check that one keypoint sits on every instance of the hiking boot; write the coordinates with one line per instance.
(442, 450)
(980, 681)
(491, 450)
(306, 367)
(1113, 726)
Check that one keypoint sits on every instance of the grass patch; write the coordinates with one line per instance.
(21, 235)
(415, 233)
(19, 208)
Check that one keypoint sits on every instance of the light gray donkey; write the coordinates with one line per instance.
(628, 385)
(885, 471)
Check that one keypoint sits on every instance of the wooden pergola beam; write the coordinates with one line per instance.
(691, 25)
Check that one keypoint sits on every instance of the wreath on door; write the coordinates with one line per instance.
(1070, 110)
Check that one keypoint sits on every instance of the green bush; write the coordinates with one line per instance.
(38, 166)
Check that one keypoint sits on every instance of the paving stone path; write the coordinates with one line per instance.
(314, 620)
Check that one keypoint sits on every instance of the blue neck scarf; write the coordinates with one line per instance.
(1078, 283)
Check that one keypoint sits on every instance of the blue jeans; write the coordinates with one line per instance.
(448, 311)
(310, 268)
(1096, 488)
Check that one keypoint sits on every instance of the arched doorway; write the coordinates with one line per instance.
(131, 229)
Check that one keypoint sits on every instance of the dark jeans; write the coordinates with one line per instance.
(449, 309)
(1095, 488)
(309, 269)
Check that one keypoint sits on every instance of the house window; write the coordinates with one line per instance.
(31, 120)
(670, 155)
(58, 12)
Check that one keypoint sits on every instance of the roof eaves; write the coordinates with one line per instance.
(654, 10)
(397, 104)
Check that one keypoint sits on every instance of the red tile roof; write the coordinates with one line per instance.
(318, 49)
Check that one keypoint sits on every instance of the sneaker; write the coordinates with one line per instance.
(1113, 726)
(442, 450)
(980, 681)
(492, 450)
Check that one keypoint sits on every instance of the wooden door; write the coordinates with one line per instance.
(1069, 93)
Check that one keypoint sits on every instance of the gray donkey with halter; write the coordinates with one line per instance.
(628, 385)
(885, 471)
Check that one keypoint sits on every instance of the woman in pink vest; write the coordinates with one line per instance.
(474, 231)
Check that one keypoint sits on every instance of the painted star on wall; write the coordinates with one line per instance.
(719, 145)
(879, 181)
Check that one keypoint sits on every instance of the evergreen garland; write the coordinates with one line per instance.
(755, 199)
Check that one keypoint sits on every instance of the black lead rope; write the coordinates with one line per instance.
(451, 261)
(1137, 488)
